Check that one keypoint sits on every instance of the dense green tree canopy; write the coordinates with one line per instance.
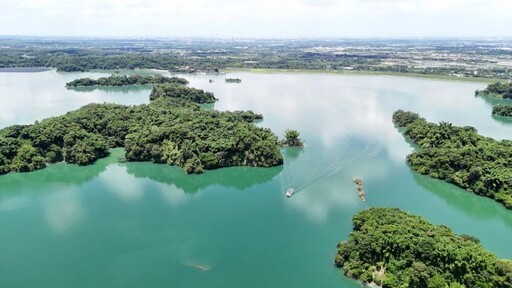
(171, 129)
(291, 138)
(123, 80)
(392, 248)
(502, 110)
(497, 89)
(461, 156)
(179, 91)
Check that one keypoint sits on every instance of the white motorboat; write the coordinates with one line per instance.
(289, 192)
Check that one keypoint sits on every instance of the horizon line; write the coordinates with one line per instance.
(263, 37)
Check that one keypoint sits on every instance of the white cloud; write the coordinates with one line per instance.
(251, 18)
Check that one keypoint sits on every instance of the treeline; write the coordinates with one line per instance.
(459, 155)
(172, 130)
(78, 60)
(123, 80)
(391, 248)
(85, 60)
(497, 89)
(502, 110)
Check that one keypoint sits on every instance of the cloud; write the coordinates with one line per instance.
(251, 18)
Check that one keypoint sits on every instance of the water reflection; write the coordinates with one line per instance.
(27, 97)
(237, 177)
(123, 185)
(57, 174)
(317, 203)
(502, 119)
(311, 102)
(493, 101)
(58, 189)
(63, 210)
(13, 203)
(477, 207)
(129, 188)
(338, 192)
(112, 89)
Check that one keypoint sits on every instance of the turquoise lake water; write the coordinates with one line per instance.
(117, 224)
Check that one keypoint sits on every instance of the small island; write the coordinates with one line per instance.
(172, 90)
(171, 129)
(502, 110)
(291, 139)
(392, 248)
(459, 155)
(497, 89)
(233, 80)
(116, 80)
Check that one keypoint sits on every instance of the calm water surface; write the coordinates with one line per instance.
(147, 225)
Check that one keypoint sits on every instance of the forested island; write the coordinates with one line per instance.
(459, 155)
(392, 248)
(502, 110)
(497, 89)
(179, 91)
(123, 80)
(171, 129)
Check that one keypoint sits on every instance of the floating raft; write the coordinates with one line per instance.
(360, 189)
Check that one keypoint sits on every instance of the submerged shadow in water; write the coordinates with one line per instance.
(472, 205)
(237, 177)
(63, 173)
(112, 89)
(493, 101)
(502, 119)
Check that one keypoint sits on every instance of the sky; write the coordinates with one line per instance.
(257, 18)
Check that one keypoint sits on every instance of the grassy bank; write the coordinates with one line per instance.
(351, 72)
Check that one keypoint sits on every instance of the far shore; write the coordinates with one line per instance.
(270, 70)
(352, 72)
(24, 69)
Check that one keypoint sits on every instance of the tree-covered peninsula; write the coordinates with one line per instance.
(502, 110)
(171, 129)
(392, 248)
(123, 80)
(497, 89)
(459, 155)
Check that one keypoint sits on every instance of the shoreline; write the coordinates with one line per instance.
(362, 73)
(150, 71)
(24, 69)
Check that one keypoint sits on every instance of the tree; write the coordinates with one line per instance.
(437, 282)
(292, 138)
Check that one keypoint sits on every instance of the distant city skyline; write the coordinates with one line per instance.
(258, 18)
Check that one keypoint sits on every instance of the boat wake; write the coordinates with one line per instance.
(201, 268)
(302, 171)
